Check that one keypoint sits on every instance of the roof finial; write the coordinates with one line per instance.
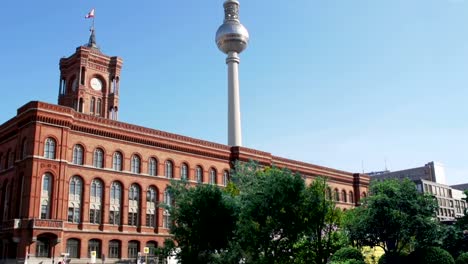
(92, 38)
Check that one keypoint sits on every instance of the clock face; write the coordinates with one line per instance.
(96, 84)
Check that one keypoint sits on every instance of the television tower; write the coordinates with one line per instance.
(232, 38)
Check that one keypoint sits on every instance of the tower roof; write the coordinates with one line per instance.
(92, 40)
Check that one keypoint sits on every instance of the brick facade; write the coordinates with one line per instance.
(38, 215)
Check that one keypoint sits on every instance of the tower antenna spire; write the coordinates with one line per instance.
(232, 38)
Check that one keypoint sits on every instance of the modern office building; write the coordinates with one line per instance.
(431, 179)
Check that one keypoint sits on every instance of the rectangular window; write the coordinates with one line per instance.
(95, 216)
(150, 220)
(44, 209)
(114, 217)
(133, 219)
(114, 250)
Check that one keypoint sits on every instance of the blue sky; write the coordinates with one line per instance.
(347, 84)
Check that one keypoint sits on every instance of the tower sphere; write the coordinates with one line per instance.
(232, 36)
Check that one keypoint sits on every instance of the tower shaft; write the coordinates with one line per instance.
(234, 115)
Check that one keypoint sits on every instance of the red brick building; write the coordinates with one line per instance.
(73, 179)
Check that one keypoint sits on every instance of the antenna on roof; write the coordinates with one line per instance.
(362, 166)
(385, 161)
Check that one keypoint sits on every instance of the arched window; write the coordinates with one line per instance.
(6, 201)
(328, 193)
(364, 195)
(11, 159)
(46, 195)
(98, 159)
(184, 171)
(135, 164)
(43, 247)
(133, 205)
(74, 199)
(213, 174)
(49, 148)
(168, 171)
(115, 203)
(133, 247)
(344, 198)
(92, 105)
(24, 148)
(152, 166)
(117, 161)
(199, 174)
(95, 207)
(98, 107)
(80, 105)
(94, 245)
(351, 197)
(151, 207)
(166, 216)
(336, 195)
(73, 248)
(77, 155)
(152, 246)
(114, 249)
(225, 178)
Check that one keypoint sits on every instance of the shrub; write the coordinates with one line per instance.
(393, 259)
(347, 253)
(431, 255)
(349, 261)
(462, 259)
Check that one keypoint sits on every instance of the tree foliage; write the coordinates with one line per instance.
(270, 214)
(204, 222)
(393, 216)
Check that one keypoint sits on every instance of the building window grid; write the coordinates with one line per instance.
(168, 170)
(98, 160)
(213, 176)
(117, 161)
(115, 201)
(42, 248)
(73, 246)
(114, 249)
(77, 155)
(74, 200)
(95, 199)
(49, 148)
(46, 196)
(133, 249)
(199, 174)
(151, 199)
(94, 245)
(134, 199)
(166, 216)
(135, 166)
(225, 178)
(184, 171)
(152, 167)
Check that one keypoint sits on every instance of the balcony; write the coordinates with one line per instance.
(46, 224)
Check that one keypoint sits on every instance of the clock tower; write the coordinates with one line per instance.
(90, 80)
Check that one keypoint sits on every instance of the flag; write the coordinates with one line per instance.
(90, 14)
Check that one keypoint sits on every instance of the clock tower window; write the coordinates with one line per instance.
(80, 105)
(91, 106)
(98, 107)
(83, 72)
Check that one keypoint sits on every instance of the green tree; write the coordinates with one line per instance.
(204, 222)
(321, 220)
(392, 217)
(270, 220)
